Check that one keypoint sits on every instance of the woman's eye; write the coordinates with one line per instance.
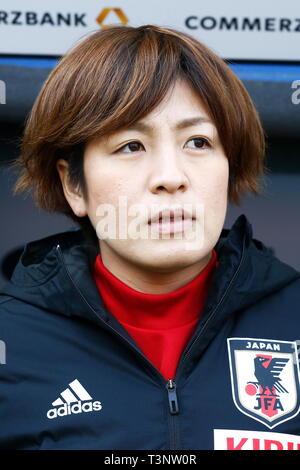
(131, 147)
(198, 143)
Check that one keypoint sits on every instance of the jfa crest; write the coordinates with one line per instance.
(265, 379)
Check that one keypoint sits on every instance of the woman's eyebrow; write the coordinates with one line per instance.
(145, 128)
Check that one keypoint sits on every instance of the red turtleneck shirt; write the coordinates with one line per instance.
(161, 324)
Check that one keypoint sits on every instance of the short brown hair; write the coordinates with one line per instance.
(114, 78)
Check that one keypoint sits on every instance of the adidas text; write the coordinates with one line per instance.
(74, 409)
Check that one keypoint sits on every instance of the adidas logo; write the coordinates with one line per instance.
(76, 395)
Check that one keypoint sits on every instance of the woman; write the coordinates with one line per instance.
(151, 327)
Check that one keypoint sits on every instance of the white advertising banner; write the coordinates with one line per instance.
(235, 29)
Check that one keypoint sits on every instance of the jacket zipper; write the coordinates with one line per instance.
(173, 414)
(171, 384)
(172, 396)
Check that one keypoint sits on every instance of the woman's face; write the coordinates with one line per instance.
(172, 158)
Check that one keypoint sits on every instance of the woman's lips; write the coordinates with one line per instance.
(172, 225)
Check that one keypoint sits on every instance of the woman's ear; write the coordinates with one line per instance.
(72, 195)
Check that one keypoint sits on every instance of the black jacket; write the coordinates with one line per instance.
(73, 378)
